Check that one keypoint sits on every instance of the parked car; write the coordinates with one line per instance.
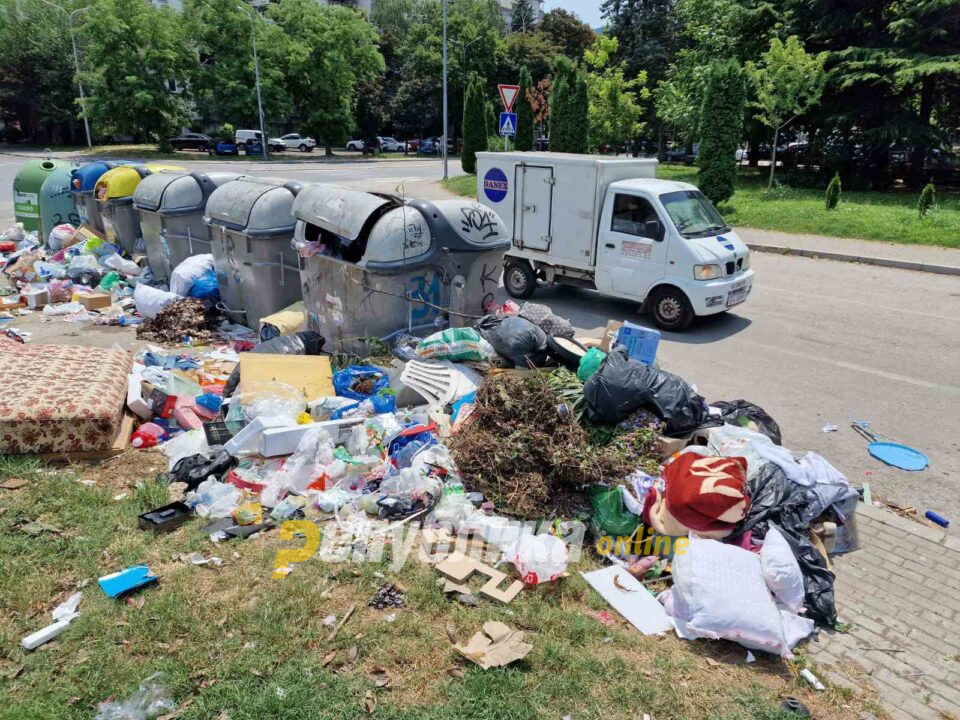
(192, 141)
(224, 147)
(389, 144)
(296, 141)
(413, 145)
(242, 137)
(432, 146)
(252, 147)
(357, 145)
(276, 144)
(542, 144)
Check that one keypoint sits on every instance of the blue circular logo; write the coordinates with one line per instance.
(495, 185)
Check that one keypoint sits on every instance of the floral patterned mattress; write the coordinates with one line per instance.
(60, 398)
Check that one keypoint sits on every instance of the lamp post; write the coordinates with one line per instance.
(256, 73)
(76, 62)
(444, 140)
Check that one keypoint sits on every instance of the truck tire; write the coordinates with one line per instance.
(669, 308)
(519, 280)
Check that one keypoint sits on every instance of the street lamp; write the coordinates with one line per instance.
(444, 140)
(76, 62)
(256, 72)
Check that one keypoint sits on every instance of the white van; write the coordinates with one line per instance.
(240, 137)
(608, 224)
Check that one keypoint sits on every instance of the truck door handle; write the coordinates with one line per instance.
(530, 208)
(611, 246)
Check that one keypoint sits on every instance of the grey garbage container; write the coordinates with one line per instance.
(373, 264)
(251, 225)
(170, 206)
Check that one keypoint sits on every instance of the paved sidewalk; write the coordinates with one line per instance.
(926, 258)
(901, 593)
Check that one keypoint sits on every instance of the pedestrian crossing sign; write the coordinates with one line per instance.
(508, 124)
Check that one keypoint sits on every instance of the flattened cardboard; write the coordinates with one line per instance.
(311, 374)
(459, 568)
(497, 646)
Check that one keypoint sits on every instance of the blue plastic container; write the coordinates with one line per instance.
(641, 342)
(82, 181)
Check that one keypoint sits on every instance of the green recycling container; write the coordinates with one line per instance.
(26, 190)
(56, 202)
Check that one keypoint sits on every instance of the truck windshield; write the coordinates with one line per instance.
(693, 214)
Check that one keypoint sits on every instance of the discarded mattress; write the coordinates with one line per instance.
(61, 398)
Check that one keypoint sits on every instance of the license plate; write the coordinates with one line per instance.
(736, 297)
(739, 284)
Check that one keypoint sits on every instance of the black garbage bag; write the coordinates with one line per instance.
(301, 343)
(622, 386)
(517, 339)
(194, 469)
(744, 412)
(775, 500)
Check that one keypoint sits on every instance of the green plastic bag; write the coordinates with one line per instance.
(610, 517)
(590, 363)
(109, 281)
(457, 344)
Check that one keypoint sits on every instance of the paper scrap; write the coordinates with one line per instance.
(631, 599)
(497, 646)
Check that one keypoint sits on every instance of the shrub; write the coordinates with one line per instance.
(474, 126)
(721, 123)
(833, 192)
(928, 198)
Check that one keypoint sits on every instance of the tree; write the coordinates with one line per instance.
(614, 109)
(532, 51)
(567, 32)
(560, 105)
(37, 83)
(539, 97)
(928, 199)
(328, 51)
(474, 126)
(521, 19)
(832, 196)
(526, 134)
(721, 124)
(788, 83)
(137, 63)
(649, 36)
(580, 120)
(223, 83)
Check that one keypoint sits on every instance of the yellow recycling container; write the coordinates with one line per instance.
(114, 193)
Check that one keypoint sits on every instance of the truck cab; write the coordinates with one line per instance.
(610, 225)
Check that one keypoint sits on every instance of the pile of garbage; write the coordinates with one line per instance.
(470, 429)
(81, 278)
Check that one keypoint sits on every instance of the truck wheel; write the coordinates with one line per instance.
(519, 280)
(670, 308)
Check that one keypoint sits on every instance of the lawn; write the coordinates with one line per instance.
(868, 215)
(236, 644)
(150, 152)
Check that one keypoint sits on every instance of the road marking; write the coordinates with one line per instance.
(950, 389)
(870, 306)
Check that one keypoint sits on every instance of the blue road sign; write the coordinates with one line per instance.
(508, 124)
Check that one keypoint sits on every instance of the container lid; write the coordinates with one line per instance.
(255, 204)
(178, 191)
(83, 178)
(400, 236)
(123, 181)
(340, 210)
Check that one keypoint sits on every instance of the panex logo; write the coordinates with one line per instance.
(495, 185)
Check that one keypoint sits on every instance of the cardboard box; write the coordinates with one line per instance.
(641, 342)
(311, 374)
(36, 299)
(610, 334)
(96, 301)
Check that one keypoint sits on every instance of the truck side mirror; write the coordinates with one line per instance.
(653, 229)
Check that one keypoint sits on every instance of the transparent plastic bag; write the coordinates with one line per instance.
(308, 462)
(454, 507)
(150, 700)
(215, 499)
(184, 445)
(124, 267)
(273, 399)
(539, 558)
(408, 483)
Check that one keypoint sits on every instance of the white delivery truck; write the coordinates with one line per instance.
(608, 224)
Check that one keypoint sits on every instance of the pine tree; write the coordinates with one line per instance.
(579, 115)
(474, 126)
(721, 124)
(928, 198)
(560, 105)
(833, 192)
(525, 131)
(521, 19)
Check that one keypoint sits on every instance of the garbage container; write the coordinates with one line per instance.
(56, 203)
(373, 264)
(251, 225)
(114, 192)
(170, 206)
(26, 190)
(83, 179)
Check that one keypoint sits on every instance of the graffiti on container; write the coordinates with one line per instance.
(413, 238)
(478, 219)
(426, 288)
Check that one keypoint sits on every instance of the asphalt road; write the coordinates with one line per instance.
(818, 341)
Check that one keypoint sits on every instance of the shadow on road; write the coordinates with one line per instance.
(710, 329)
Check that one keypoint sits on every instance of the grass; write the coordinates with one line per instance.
(234, 643)
(868, 215)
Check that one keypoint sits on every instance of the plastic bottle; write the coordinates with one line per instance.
(147, 435)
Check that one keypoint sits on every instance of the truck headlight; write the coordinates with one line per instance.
(707, 272)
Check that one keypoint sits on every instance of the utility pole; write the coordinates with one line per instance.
(256, 74)
(445, 139)
(76, 62)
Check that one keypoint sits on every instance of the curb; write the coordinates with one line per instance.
(842, 257)
(940, 536)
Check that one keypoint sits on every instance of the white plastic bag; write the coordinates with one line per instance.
(59, 235)
(151, 300)
(539, 558)
(781, 570)
(215, 499)
(124, 267)
(62, 309)
(313, 453)
(193, 442)
(188, 272)
(274, 400)
(719, 592)
(150, 700)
